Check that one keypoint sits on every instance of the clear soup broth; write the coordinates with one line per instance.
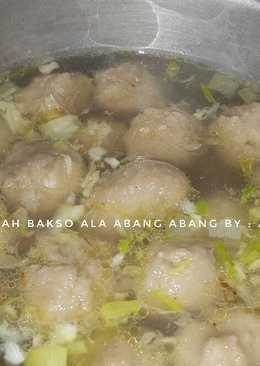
(129, 214)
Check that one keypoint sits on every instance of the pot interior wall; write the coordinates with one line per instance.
(222, 33)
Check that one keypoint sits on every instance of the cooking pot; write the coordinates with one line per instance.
(222, 33)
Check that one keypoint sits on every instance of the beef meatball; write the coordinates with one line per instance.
(58, 248)
(118, 353)
(221, 205)
(187, 274)
(198, 344)
(246, 326)
(165, 134)
(190, 341)
(141, 189)
(102, 131)
(46, 96)
(127, 89)
(39, 177)
(236, 134)
(59, 292)
(224, 350)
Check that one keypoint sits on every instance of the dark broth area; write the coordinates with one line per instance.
(77, 295)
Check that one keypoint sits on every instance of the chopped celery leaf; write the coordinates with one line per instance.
(250, 253)
(224, 259)
(246, 165)
(202, 207)
(172, 69)
(254, 214)
(248, 193)
(47, 355)
(208, 94)
(78, 353)
(132, 240)
(77, 348)
(123, 245)
(116, 312)
(164, 301)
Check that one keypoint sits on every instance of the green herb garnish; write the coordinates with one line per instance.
(202, 207)
(172, 69)
(117, 312)
(224, 260)
(248, 193)
(208, 94)
(164, 301)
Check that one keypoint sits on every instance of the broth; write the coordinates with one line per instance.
(129, 214)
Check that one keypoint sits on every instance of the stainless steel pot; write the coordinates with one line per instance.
(221, 33)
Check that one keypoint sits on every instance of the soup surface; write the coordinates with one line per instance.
(129, 214)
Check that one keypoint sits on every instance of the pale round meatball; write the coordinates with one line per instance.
(118, 353)
(246, 326)
(190, 341)
(70, 93)
(58, 248)
(102, 131)
(199, 344)
(141, 189)
(127, 89)
(224, 351)
(6, 137)
(40, 178)
(165, 134)
(236, 134)
(187, 274)
(60, 293)
(223, 205)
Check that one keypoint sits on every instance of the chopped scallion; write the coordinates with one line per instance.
(116, 312)
(164, 301)
(208, 94)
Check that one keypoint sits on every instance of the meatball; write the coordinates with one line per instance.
(225, 351)
(48, 95)
(198, 344)
(141, 189)
(165, 134)
(6, 136)
(187, 274)
(190, 341)
(118, 353)
(222, 205)
(59, 248)
(127, 89)
(59, 292)
(236, 134)
(246, 326)
(40, 178)
(102, 131)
